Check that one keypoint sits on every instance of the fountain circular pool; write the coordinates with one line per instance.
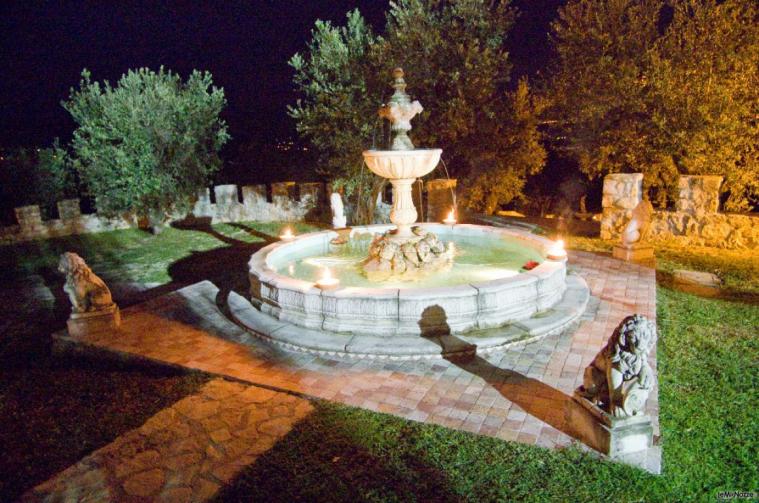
(487, 288)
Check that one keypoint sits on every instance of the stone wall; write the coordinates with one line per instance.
(290, 202)
(695, 221)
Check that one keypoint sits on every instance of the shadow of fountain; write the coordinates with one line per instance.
(536, 398)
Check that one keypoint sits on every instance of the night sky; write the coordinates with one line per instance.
(245, 45)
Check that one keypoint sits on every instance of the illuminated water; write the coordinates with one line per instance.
(475, 260)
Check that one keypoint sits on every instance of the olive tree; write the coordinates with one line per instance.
(147, 144)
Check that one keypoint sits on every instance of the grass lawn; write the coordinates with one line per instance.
(57, 409)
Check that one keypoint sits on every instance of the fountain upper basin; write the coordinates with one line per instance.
(399, 164)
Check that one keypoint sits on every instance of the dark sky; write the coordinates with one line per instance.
(245, 45)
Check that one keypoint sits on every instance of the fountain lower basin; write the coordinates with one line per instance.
(407, 309)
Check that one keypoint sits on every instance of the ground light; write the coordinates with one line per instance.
(556, 251)
(326, 280)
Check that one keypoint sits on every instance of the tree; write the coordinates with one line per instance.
(148, 144)
(456, 65)
(37, 176)
(337, 79)
(663, 88)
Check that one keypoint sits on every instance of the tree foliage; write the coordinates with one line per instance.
(663, 88)
(149, 143)
(456, 65)
(37, 176)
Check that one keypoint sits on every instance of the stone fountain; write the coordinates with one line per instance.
(405, 252)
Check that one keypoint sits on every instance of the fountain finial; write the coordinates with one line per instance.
(399, 111)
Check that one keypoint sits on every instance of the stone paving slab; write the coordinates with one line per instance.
(186, 452)
(519, 394)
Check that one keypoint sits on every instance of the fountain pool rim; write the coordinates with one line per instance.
(392, 311)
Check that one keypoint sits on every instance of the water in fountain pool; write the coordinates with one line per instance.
(475, 260)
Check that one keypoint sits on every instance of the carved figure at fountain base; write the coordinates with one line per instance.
(394, 257)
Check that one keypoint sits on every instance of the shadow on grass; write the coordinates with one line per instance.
(332, 455)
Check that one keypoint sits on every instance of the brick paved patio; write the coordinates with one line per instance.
(521, 394)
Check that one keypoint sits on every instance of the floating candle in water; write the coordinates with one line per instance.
(450, 219)
(556, 251)
(327, 280)
(287, 235)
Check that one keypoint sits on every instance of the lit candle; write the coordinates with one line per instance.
(327, 280)
(556, 251)
(287, 235)
(450, 219)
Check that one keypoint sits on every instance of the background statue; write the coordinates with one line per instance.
(619, 379)
(86, 291)
(339, 220)
(636, 229)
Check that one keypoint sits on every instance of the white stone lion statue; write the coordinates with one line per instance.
(86, 291)
(619, 379)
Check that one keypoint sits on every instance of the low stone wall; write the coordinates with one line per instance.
(721, 230)
(290, 202)
(695, 221)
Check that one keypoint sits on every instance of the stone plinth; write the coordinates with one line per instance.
(226, 195)
(29, 218)
(440, 199)
(69, 209)
(621, 194)
(202, 205)
(283, 192)
(254, 195)
(635, 252)
(615, 437)
(698, 195)
(82, 324)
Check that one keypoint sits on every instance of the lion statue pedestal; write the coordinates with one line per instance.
(92, 307)
(615, 389)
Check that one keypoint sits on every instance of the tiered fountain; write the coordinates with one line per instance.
(375, 294)
(403, 252)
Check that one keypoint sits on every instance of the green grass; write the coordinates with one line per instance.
(56, 410)
(708, 377)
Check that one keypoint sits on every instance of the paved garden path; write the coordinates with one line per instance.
(186, 452)
(520, 394)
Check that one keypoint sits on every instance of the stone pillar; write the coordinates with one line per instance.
(313, 191)
(622, 192)
(282, 193)
(440, 198)
(253, 195)
(69, 209)
(29, 218)
(698, 195)
(202, 205)
(226, 195)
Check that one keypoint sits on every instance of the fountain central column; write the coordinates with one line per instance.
(403, 212)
